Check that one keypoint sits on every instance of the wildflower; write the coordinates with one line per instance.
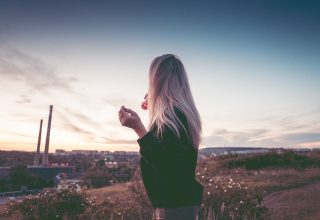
(208, 193)
(202, 177)
(241, 202)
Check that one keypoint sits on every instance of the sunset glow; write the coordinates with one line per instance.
(254, 74)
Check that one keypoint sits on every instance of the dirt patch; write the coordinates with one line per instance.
(295, 204)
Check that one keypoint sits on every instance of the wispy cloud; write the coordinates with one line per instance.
(82, 118)
(14, 134)
(24, 99)
(117, 101)
(224, 137)
(35, 73)
(119, 141)
(261, 138)
(300, 137)
(87, 129)
(74, 126)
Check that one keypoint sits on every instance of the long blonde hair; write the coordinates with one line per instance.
(169, 90)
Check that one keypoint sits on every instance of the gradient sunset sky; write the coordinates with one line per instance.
(254, 69)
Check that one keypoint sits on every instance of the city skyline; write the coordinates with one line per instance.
(253, 68)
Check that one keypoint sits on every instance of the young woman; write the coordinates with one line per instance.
(169, 148)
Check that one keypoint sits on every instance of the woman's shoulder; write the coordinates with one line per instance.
(179, 120)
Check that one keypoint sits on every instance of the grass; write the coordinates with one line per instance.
(232, 190)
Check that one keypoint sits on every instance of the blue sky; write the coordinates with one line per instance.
(253, 68)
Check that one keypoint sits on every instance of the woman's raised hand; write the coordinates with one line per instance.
(131, 119)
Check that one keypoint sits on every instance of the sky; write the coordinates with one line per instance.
(253, 68)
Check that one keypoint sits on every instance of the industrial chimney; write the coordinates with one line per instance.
(37, 157)
(46, 150)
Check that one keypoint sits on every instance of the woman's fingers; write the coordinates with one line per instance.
(122, 115)
(130, 111)
(129, 118)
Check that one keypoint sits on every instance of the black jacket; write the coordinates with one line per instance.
(168, 168)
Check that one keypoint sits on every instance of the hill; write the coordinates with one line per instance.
(230, 192)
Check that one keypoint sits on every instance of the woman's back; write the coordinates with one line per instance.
(168, 168)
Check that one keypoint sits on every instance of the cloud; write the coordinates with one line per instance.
(224, 137)
(14, 134)
(72, 126)
(118, 100)
(119, 141)
(33, 72)
(84, 119)
(302, 137)
(88, 129)
(24, 99)
(260, 138)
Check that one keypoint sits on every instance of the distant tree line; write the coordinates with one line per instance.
(289, 159)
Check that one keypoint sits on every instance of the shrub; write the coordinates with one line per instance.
(97, 178)
(275, 160)
(63, 204)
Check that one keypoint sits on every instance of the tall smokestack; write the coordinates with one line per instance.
(37, 157)
(46, 150)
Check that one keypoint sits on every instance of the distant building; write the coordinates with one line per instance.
(104, 152)
(49, 172)
(85, 152)
(109, 157)
(120, 153)
(60, 152)
(132, 153)
(110, 164)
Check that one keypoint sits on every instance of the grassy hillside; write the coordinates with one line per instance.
(236, 187)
